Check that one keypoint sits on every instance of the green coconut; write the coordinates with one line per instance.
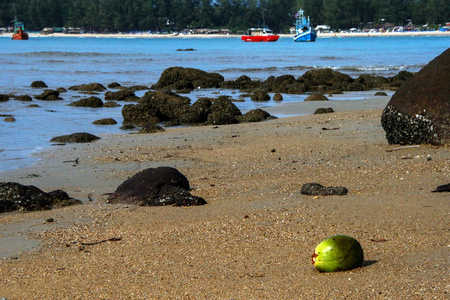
(338, 253)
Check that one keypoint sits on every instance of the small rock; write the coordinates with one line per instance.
(314, 189)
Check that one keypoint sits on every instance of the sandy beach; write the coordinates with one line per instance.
(255, 237)
(319, 35)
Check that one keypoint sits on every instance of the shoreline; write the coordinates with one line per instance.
(206, 36)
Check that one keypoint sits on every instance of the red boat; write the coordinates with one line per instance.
(260, 35)
(19, 31)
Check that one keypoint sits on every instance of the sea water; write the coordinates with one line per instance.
(68, 61)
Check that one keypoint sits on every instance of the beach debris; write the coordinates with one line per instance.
(187, 49)
(402, 148)
(113, 239)
(316, 189)
(442, 188)
(79, 137)
(74, 161)
(338, 253)
(418, 111)
(15, 196)
(378, 240)
(333, 128)
(156, 187)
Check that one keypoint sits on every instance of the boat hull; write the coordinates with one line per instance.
(308, 36)
(260, 38)
(22, 35)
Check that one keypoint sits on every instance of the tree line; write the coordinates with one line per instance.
(235, 15)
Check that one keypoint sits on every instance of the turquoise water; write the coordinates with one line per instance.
(67, 61)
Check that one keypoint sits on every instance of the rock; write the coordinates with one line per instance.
(418, 112)
(323, 111)
(397, 80)
(111, 104)
(150, 128)
(223, 111)
(369, 82)
(442, 188)
(14, 196)
(23, 98)
(316, 189)
(242, 83)
(260, 96)
(119, 95)
(61, 90)
(277, 97)
(381, 94)
(38, 84)
(114, 85)
(88, 102)
(80, 137)
(255, 115)
(10, 119)
(138, 88)
(316, 97)
(324, 80)
(156, 187)
(4, 98)
(49, 95)
(178, 78)
(90, 87)
(106, 121)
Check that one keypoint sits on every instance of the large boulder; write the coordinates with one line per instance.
(15, 196)
(419, 112)
(223, 111)
(179, 78)
(156, 187)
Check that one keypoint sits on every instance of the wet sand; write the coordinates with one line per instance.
(255, 237)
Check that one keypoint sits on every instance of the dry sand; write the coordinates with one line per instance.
(255, 237)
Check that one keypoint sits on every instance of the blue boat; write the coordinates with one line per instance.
(303, 30)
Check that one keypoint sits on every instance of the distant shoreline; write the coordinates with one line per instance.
(320, 35)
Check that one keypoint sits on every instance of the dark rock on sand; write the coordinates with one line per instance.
(106, 121)
(49, 95)
(178, 78)
(442, 188)
(418, 113)
(88, 102)
(14, 196)
(317, 97)
(316, 189)
(223, 111)
(90, 87)
(38, 84)
(323, 111)
(23, 98)
(79, 137)
(150, 128)
(156, 187)
(255, 115)
(119, 95)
